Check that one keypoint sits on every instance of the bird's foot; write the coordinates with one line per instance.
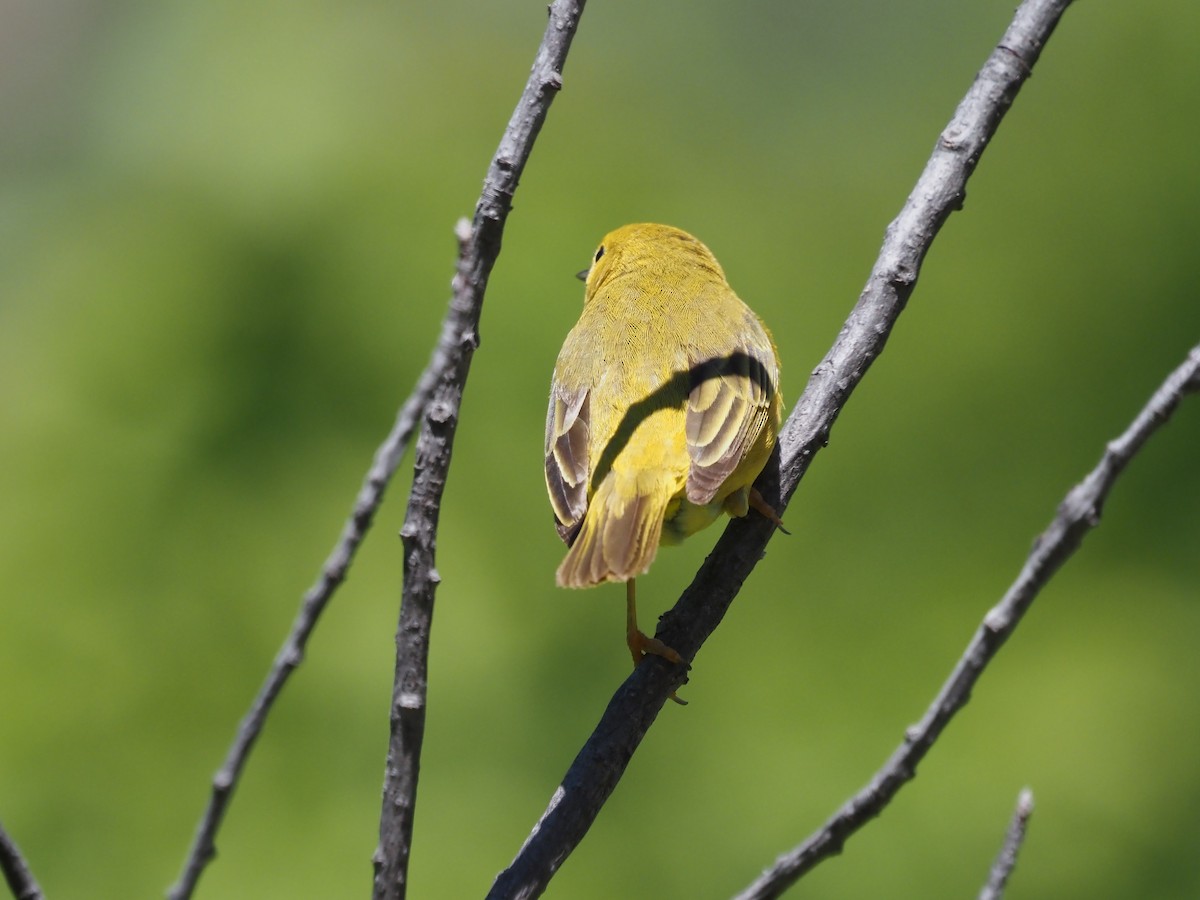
(766, 509)
(640, 645)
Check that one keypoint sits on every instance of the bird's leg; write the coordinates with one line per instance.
(766, 509)
(639, 644)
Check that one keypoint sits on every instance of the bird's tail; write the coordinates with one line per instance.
(620, 532)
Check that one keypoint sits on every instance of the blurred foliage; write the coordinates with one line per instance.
(225, 247)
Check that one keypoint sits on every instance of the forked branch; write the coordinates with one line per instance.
(456, 341)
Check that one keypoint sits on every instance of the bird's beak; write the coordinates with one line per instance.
(582, 276)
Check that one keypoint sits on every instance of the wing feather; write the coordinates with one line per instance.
(567, 432)
(727, 410)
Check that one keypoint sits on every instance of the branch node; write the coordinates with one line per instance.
(952, 138)
(410, 700)
(440, 411)
(902, 275)
(1015, 54)
(997, 619)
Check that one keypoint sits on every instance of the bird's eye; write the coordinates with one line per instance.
(599, 253)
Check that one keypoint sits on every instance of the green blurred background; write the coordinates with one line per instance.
(225, 248)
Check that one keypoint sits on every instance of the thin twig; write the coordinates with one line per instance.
(291, 654)
(479, 247)
(939, 191)
(16, 870)
(387, 459)
(1077, 514)
(1006, 859)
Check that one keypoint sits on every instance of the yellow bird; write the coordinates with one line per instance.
(664, 408)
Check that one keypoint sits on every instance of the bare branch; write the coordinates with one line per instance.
(291, 653)
(939, 191)
(479, 247)
(16, 870)
(1077, 514)
(472, 277)
(1006, 859)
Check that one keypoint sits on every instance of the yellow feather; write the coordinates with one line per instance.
(664, 405)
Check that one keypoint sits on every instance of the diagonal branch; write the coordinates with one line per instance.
(291, 653)
(939, 191)
(1006, 859)
(479, 247)
(16, 870)
(1078, 513)
(387, 458)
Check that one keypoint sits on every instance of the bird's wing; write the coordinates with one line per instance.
(727, 409)
(567, 430)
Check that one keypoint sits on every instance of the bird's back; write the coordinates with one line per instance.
(662, 408)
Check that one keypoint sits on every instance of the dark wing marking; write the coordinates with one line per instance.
(727, 410)
(567, 435)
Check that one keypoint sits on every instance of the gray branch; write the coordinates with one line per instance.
(479, 247)
(387, 458)
(1006, 859)
(1078, 513)
(16, 870)
(291, 653)
(940, 190)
